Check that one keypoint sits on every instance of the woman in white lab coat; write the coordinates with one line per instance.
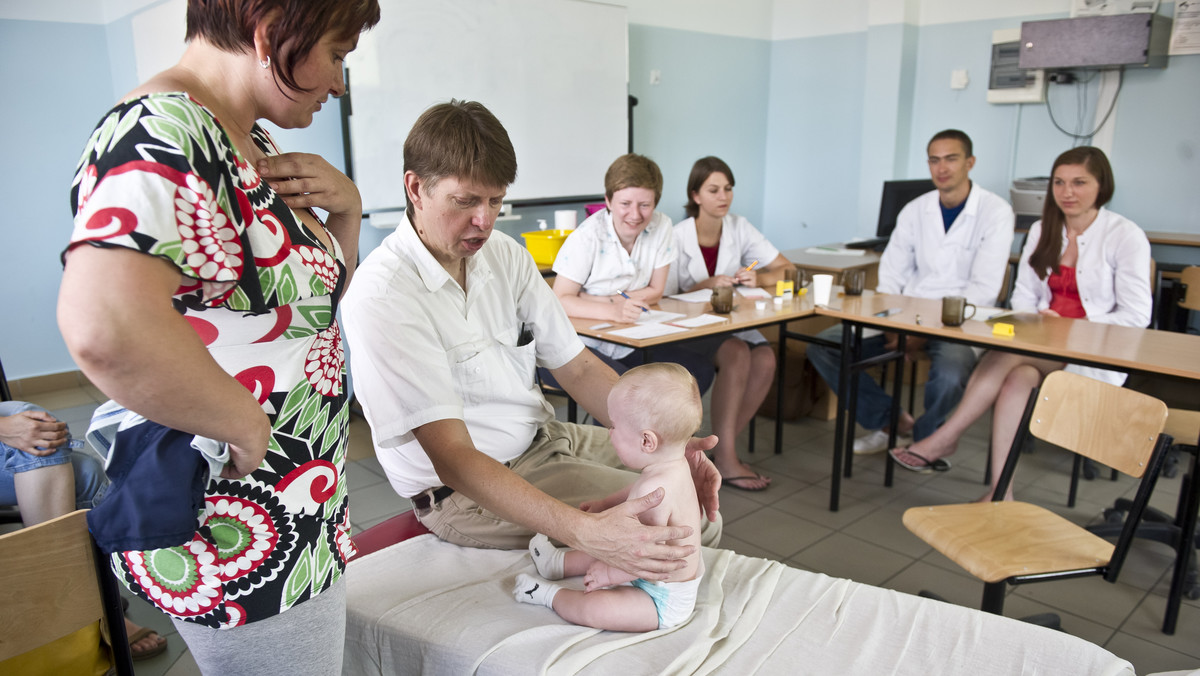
(1080, 261)
(717, 248)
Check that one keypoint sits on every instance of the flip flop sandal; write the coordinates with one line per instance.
(730, 482)
(924, 467)
(146, 654)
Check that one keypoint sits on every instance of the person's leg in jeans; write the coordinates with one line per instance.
(43, 485)
(950, 368)
(874, 407)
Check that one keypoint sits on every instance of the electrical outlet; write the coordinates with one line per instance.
(655, 76)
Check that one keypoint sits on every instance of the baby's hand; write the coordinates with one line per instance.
(598, 576)
(591, 506)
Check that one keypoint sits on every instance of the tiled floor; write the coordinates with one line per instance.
(864, 540)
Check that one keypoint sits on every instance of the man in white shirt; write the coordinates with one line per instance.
(952, 241)
(446, 322)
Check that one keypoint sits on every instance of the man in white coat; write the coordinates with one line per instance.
(952, 241)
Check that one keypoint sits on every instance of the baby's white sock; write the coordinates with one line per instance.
(547, 557)
(529, 589)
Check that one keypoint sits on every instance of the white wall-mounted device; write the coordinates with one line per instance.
(1007, 82)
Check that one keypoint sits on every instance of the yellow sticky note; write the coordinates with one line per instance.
(782, 287)
(1002, 329)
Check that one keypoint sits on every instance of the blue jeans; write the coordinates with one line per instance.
(951, 367)
(87, 466)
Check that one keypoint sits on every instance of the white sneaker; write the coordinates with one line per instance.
(877, 442)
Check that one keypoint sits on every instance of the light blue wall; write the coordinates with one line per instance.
(55, 101)
(54, 74)
(1156, 142)
(810, 126)
(712, 101)
(888, 86)
(814, 132)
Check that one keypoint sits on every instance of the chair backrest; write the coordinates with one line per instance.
(5, 394)
(49, 586)
(1190, 278)
(1005, 286)
(1112, 425)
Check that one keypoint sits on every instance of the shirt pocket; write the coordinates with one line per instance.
(469, 366)
(520, 361)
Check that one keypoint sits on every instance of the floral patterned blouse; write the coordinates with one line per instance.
(160, 176)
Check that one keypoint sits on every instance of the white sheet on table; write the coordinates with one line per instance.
(752, 292)
(641, 331)
(699, 320)
(698, 296)
(429, 607)
(658, 316)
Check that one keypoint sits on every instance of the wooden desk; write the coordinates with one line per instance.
(1174, 238)
(1110, 346)
(743, 317)
(1072, 340)
(836, 264)
(1159, 237)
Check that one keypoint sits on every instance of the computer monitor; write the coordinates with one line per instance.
(895, 195)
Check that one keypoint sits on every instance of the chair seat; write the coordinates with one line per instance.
(995, 541)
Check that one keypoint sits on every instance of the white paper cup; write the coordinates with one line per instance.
(564, 219)
(822, 285)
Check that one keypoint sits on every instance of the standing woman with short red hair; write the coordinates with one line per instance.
(200, 290)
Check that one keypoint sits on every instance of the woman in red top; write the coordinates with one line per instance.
(1080, 261)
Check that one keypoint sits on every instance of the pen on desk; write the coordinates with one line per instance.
(626, 297)
(828, 248)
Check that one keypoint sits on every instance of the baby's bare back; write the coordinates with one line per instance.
(680, 507)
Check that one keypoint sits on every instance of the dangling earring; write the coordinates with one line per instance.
(265, 63)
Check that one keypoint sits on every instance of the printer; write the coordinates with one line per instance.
(1028, 196)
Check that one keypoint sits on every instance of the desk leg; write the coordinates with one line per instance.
(835, 480)
(779, 380)
(889, 469)
(852, 403)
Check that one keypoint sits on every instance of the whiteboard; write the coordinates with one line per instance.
(553, 71)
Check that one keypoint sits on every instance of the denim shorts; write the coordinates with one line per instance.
(17, 461)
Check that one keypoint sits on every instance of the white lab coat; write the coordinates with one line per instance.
(740, 245)
(924, 260)
(1113, 274)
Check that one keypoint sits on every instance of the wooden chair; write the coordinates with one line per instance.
(53, 584)
(1190, 279)
(1086, 466)
(1014, 543)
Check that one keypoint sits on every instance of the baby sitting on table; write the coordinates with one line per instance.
(655, 409)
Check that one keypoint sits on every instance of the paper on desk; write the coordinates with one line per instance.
(640, 331)
(700, 320)
(833, 251)
(658, 316)
(988, 313)
(753, 292)
(700, 296)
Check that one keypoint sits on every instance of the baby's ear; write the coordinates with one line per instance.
(650, 441)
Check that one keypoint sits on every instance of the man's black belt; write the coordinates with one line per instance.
(422, 500)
